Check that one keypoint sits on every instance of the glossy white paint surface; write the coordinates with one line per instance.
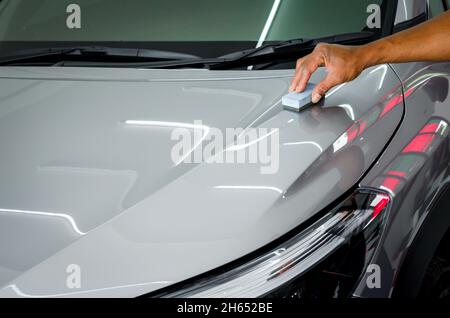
(87, 177)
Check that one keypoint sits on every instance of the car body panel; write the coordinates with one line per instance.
(414, 168)
(87, 188)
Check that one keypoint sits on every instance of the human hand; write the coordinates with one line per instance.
(344, 63)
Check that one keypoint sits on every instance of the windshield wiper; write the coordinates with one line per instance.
(290, 48)
(61, 56)
(292, 45)
(270, 52)
(138, 58)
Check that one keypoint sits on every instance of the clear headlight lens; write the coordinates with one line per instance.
(324, 260)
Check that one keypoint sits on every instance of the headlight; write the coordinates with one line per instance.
(325, 260)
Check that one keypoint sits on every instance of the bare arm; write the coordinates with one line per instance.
(429, 41)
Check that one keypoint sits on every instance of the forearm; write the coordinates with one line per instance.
(429, 41)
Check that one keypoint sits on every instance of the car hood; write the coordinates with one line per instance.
(88, 181)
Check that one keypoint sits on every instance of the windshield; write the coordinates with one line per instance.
(201, 27)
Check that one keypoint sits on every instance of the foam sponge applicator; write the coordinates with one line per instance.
(298, 101)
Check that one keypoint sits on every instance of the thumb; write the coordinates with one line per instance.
(321, 89)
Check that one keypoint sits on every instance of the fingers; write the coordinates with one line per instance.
(304, 70)
(297, 75)
(323, 87)
(303, 75)
(341, 62)
(304, 78)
